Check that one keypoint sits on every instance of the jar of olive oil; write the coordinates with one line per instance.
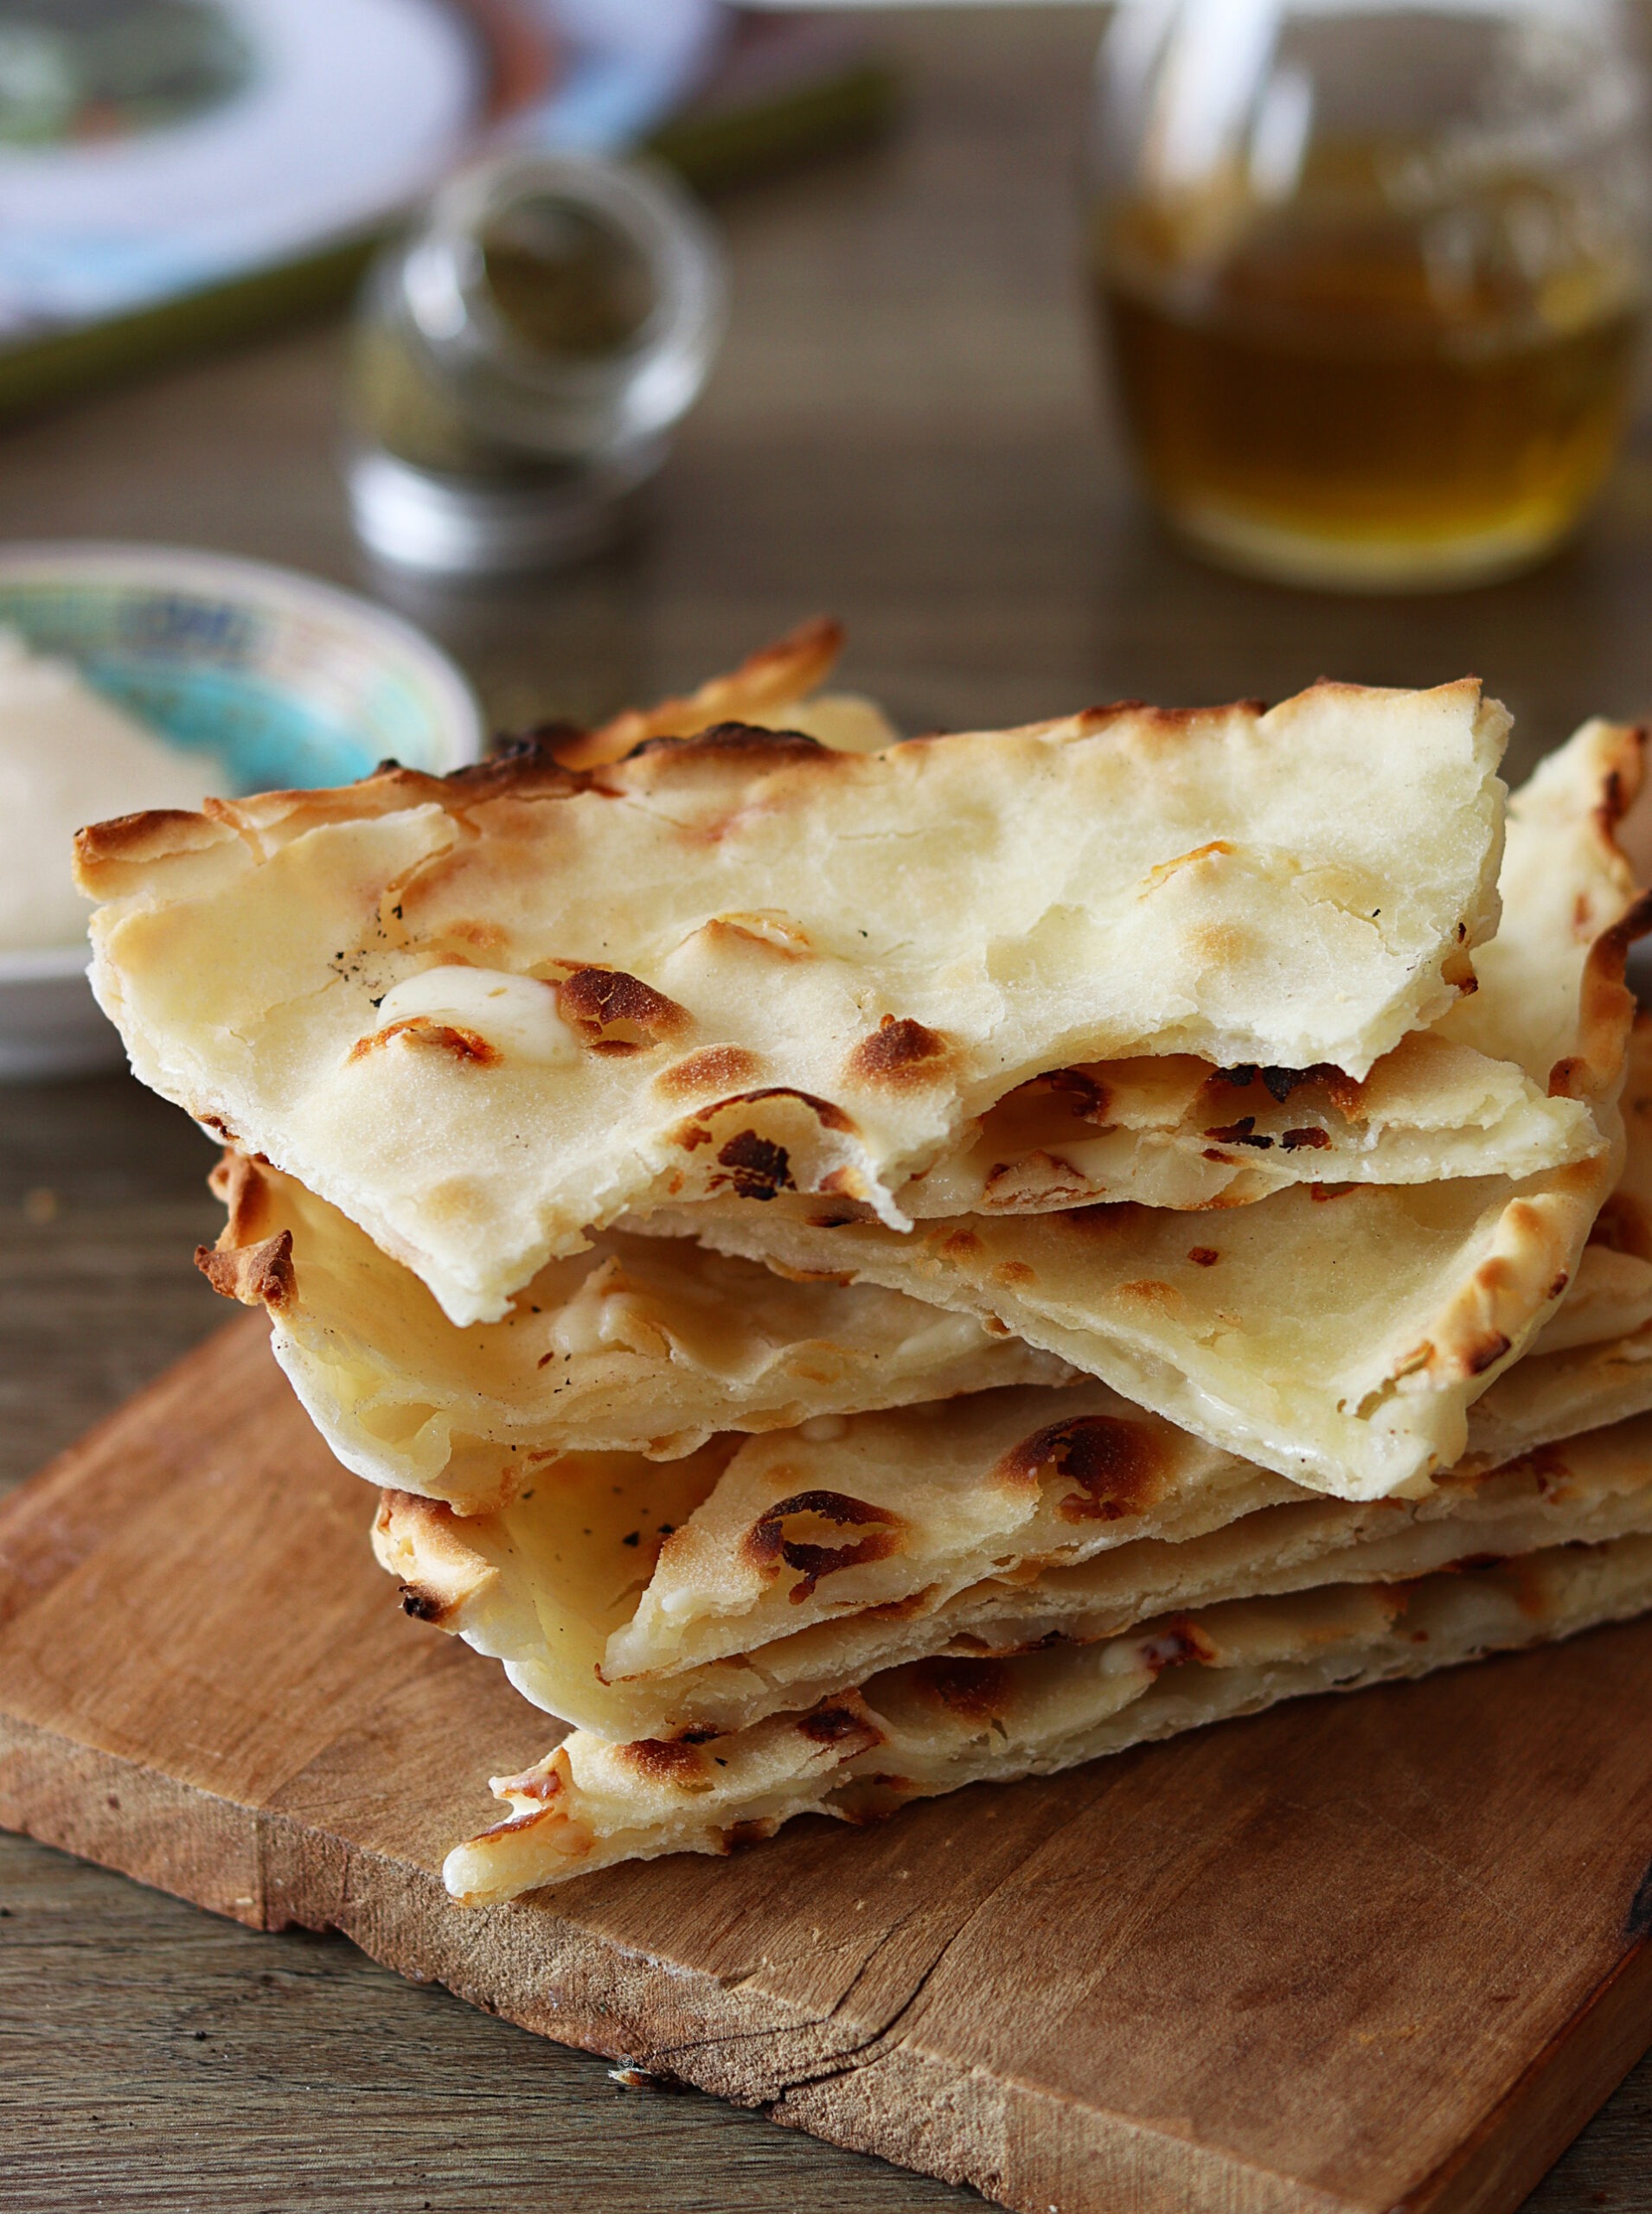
(519, 357)
(1370, 274)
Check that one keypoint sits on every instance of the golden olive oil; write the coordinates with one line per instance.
(1341, 393)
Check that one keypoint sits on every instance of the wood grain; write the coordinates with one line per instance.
(906, 428)
(1207, 1974)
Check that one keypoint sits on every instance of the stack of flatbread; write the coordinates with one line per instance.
(860, 1267)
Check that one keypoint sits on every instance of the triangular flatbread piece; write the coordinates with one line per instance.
(484, 1014)
(641, 1346)
(644, 1601)
(1338, 1333)
(939, 1725)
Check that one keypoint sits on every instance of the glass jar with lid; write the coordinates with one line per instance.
(1371, 273)
(519, 358)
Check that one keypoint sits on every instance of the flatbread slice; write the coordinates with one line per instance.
(1336, 1333)
(641, 1346)
(1337, 1336)
(484, 1014)
(1485, 1092)
(638, 1600)
(939, 1725)
(652, 1347)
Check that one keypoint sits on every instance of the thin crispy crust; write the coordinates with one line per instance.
(934, 1725)
(151, 835)
(777, 676)
(108, 857)
(800, 1564)
(252, 1261)
(727, 752)
(419, 1542)
(257, 1276)
(1535, 1249)
(241, 1183)
(1605, 1005)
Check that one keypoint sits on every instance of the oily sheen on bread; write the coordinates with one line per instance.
(938, 1724)
(482, 1015)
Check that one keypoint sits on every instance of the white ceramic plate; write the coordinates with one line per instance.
(278, 680)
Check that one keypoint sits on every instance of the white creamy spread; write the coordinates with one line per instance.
(516, 1013)
(68, 758)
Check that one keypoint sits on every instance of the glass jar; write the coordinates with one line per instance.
(519, 359)
(1370, 274)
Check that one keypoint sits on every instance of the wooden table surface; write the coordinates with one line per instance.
(906, 429)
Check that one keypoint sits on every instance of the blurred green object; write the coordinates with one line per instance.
(718, 142)
(157, 62)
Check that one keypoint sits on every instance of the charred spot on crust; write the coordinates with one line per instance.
(900, 1050)
(257, 1275)
(1203, 1257)
(615, 1012)
(830, 1725)
(664, 1760)
(766, 1543)
(1240, 1133)
(758, 1168)
(217, 1122)
(1294, 1140)
(754, 1828)
(745, 741)
(977, 1690)
(1117, 1467)
(423, 1030)
(1180, 1640)
(524, 766)
(1080, 1091)
(423, 1606)
(1344, 1091)
(714, 1068)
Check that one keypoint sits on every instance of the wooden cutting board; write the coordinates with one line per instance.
(1380, 1952)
